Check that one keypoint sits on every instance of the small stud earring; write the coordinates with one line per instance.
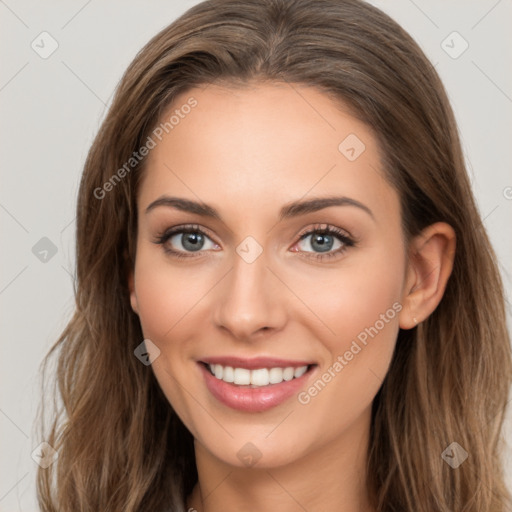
(415, 320)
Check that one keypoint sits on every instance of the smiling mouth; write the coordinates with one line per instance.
(257, 377)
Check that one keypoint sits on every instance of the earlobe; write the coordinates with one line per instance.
(431, 257)
(133, 296)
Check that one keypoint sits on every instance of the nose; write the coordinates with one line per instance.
(250, 300)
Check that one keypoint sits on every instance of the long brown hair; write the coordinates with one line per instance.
(121, 446)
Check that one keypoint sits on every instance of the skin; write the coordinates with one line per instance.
(248, 152)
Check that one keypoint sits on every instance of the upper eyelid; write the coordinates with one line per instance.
(305, 231)
(168, 233)
(335, 230)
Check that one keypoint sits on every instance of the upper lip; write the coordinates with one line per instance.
(256, 362)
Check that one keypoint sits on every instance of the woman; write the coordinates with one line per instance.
(286, 298)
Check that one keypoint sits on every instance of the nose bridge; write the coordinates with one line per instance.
(249, 298)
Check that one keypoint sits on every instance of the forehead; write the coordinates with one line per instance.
(262, 146)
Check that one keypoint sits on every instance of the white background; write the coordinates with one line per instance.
(51, 109)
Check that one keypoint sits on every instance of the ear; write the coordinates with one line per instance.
(133, 295)
(431, 255)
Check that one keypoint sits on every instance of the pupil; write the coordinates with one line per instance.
(324, 242)
(192, 241)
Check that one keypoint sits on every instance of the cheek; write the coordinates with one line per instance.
(169, 302)
(167, 297)
(360, 305)
(362, 295)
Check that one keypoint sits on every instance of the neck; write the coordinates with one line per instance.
(329, 477)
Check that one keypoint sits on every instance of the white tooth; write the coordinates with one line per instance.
(275, 375)
(300, 371)
(242, 376)
(218, 371)
(288, 373)
(229, 375)
(259, 377)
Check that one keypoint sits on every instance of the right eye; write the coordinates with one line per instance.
(183, 241)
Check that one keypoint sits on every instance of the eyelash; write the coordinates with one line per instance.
(342, 236)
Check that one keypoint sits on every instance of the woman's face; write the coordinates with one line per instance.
(257, 283)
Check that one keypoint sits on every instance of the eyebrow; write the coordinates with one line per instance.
(293, 209)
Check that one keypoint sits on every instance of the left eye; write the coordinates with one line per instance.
(320, 242)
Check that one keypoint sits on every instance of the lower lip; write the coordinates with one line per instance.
(249, 399)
